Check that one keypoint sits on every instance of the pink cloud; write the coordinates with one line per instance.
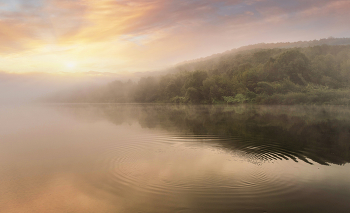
(151, 33)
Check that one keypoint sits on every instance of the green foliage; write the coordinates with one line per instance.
(265, 87)
(193, 95)
(291, 64)
(345, 70)
(308, 75)
(250, 96)
(229, 99)
(239, 98)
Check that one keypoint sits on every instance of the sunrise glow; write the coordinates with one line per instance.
(136, 35)
(70, 65)
(162, 106)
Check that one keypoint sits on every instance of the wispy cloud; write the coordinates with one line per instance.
(119, 35)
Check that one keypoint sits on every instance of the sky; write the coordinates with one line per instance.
(128, 36)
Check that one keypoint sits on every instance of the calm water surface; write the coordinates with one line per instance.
(165, 158)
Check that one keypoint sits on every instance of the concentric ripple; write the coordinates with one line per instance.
(166, 166)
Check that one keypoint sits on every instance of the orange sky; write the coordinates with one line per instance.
(143, 35)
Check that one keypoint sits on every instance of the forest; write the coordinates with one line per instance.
(285, 73)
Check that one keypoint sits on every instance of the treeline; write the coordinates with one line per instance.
(229, 55)
(309, 75)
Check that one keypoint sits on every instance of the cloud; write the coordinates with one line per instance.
(147, 34)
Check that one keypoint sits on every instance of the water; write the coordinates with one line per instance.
(166, 158)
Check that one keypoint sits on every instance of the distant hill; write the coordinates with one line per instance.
(195, 63)
(311, 72)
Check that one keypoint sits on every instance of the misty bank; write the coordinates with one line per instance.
(286, 75)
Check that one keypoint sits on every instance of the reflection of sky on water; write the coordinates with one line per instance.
(76, 159)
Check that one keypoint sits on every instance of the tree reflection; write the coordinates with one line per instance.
(321, 134)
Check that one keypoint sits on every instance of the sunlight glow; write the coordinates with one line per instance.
(70, 65)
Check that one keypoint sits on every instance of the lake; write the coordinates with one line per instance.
(174, 158)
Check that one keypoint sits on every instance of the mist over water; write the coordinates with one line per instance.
(174, 158)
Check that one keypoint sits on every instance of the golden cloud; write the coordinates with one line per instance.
(136, 35)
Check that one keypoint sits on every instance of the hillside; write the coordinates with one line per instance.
(197, 63)
(282, 73)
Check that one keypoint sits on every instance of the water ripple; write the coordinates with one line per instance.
(137, 165)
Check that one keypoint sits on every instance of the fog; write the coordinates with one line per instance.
(305, 72)
(20, 88)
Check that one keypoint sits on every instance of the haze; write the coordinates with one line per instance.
(163, 106)
(123, 37)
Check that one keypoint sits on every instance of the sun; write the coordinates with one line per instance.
(70, 65)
